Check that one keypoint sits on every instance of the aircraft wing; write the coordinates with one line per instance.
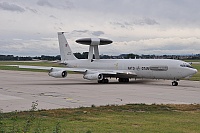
(80, 70)
(106, 73)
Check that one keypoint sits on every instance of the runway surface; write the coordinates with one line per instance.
(19, 89)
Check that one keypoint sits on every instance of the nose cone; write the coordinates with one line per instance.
(195, 70)
(191, 73)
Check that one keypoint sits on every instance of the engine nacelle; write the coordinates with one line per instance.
(93, 76)
(58, 74)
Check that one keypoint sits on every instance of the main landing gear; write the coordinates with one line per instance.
(103, 81)
(123, 80)
(174, 83)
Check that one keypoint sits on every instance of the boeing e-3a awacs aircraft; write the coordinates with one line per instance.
(121, 69)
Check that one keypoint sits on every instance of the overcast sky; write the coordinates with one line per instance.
(29, 27)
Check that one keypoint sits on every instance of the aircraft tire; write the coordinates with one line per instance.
(124, 80)
(174, 83)
(99, 81)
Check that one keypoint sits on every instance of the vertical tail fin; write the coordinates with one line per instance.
(65, 50)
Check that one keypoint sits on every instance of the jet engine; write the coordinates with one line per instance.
(93, 76)
(57, 74)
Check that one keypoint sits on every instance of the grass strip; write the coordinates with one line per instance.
(111, 118)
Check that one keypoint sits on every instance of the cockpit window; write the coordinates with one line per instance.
(186, 65)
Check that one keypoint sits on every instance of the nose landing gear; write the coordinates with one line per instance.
(174, 83)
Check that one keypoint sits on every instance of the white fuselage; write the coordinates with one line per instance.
(144, 68)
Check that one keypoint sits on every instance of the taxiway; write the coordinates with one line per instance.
(18, 89)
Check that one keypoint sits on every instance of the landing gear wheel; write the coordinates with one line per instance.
(99, 81)
(174, 83)
(124, 80)
(104, 81)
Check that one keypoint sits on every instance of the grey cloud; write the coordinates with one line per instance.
(169, 47)
(94, 33)
(11, 7)
(130, 24)
(174, 45)
(52, 16)
(81, 31)
(145, 21)
(44, 3)
(62, 4)
(97, 33)
(179, 12)
(69, 4)
(32, 10)
(122, 25)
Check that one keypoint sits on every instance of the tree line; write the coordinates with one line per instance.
(84, 55)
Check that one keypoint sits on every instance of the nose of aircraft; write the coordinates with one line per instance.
(195, 70)
(192, 72)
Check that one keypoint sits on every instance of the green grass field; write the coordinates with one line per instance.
(138, 118)
(196, 77)
(192, 60)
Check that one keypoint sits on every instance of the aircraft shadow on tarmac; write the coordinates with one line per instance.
(142, 82)
(146, 82)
